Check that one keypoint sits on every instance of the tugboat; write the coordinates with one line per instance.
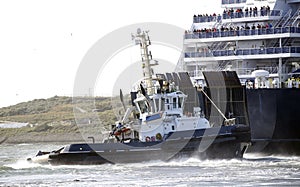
(155, 127)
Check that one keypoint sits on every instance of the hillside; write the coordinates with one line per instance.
(53, 118)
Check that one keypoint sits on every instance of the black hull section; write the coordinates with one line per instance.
(272, 114)
(281, 147)
(229, 142)
(274, 120)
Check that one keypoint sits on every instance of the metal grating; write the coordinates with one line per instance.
(226, 91)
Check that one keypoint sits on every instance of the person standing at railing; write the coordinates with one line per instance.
(258, 26)
(262, 11)
(268, 10)
(255, 11)
(290, 83)
(219, 18)
(246, 12)
(270, 25)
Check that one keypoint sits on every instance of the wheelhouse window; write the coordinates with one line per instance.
(179, 102)
(157, 105)
(167, 105)
(174, 102)
(143, 105)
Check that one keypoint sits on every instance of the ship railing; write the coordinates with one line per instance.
(240, 71)
(248, 71)
(226, 2)
(197, 54)
(244, 71)
(244, 32)
(233, 15)
(209, 18)
(270, 69)
(255, 51)
(258, 13)
(195, 73)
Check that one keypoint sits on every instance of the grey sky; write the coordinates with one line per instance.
(43, 42)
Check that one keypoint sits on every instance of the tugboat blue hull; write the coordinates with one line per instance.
(230, 142)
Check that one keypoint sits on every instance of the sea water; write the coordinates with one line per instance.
(253, 170)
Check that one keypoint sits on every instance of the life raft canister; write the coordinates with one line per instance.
(120, 131)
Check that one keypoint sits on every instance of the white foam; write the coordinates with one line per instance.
(23, 164)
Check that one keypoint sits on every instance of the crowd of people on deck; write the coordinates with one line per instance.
(232, 28)
(207, 18)
(249, 12)
(233, 13)
(233, 1)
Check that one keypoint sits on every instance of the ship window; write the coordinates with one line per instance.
(143, 106)
(157, 106)
(179, 102)
(162, 105)
(174, 102)
(173, 128)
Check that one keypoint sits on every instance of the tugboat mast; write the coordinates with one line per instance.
(142, 38)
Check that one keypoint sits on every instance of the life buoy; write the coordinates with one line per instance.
(152, 139)
(158, 136)
(148, 139)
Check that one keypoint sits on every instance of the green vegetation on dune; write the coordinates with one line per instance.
(55, 116)
(36, 106)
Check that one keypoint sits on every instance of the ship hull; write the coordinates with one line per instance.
(274, 120)
(228, 142)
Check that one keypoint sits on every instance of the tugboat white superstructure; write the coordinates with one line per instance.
(155, 127)
(159, 105)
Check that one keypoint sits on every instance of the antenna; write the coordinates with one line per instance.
(142, 38)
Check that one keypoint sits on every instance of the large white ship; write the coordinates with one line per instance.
(260, 40)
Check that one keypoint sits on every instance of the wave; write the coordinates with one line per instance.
(23, 164)
(252, 160)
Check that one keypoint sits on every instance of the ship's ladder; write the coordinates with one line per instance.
(296, 18)
(283, 19)
(288, 20)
